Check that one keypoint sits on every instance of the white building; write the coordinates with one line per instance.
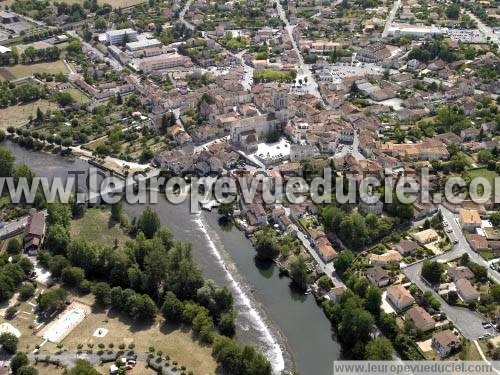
(417, 31)
(142, 44)
(120, 36)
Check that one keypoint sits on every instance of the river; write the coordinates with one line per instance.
(286, 325)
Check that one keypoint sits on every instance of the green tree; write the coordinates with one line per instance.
(353, 230)
(27, 370)
(17, 361)
(64, 99)
(57, 263)
(226, 324)
(102, 292)
(373, 299)
(298, 272)
(14, 246)
(26, 291)
(172, 308)
(148, 222)
(59, 213)
(6, 162)
(57, 239)
(432, 271)
(356, 324)
(52, 300)
(8, 342)
(73, 276)
(343, 261)
(324, 282)
(495, 292)
(266, 245)
(100, 24)
(379, 349)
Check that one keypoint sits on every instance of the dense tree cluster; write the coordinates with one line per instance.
(145, 272)
(11, 94)
(33, 55)
(244, 361)
(353, 228)
(432, 271)
(435, 48)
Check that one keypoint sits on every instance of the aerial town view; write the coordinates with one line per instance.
(249, 187)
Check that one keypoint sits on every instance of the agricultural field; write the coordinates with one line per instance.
(19, 115)
(25, 70)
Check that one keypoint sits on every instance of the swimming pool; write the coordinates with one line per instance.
(59, 328)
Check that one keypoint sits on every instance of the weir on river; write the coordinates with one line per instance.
(286, 325)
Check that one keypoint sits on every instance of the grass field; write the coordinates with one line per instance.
(96, 226)
(482, 172)
(20, 70)
(113, 3)
(19, 115)
(176, 342)
(121, 3)
(79, 96)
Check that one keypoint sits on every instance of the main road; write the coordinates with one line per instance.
(304, 72)
(484, 29)
(390, 17)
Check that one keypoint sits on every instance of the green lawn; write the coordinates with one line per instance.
(26, 70)
(96, 226)
(482, 172)
(79, 96)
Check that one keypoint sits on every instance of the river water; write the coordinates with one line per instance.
(286, 325)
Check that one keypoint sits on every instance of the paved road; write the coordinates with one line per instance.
(304, 72)
(390, 17)
(484, 29)
(469, 322)
(355, 149)
(463, 246)
(12, 227)
(183, 13)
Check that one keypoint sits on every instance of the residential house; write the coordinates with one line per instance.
(406, 247)
(466, 290)
(462, 272)
(34, 234)
(426, 236)
(399, 296)
(421, 318)
(256, 214)
(335, 294)
(392, 256)
(324, 247)
(469, 219)
(445, 342)
(378, 276)
(477, 242)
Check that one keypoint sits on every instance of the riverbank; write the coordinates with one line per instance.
(281, 308)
